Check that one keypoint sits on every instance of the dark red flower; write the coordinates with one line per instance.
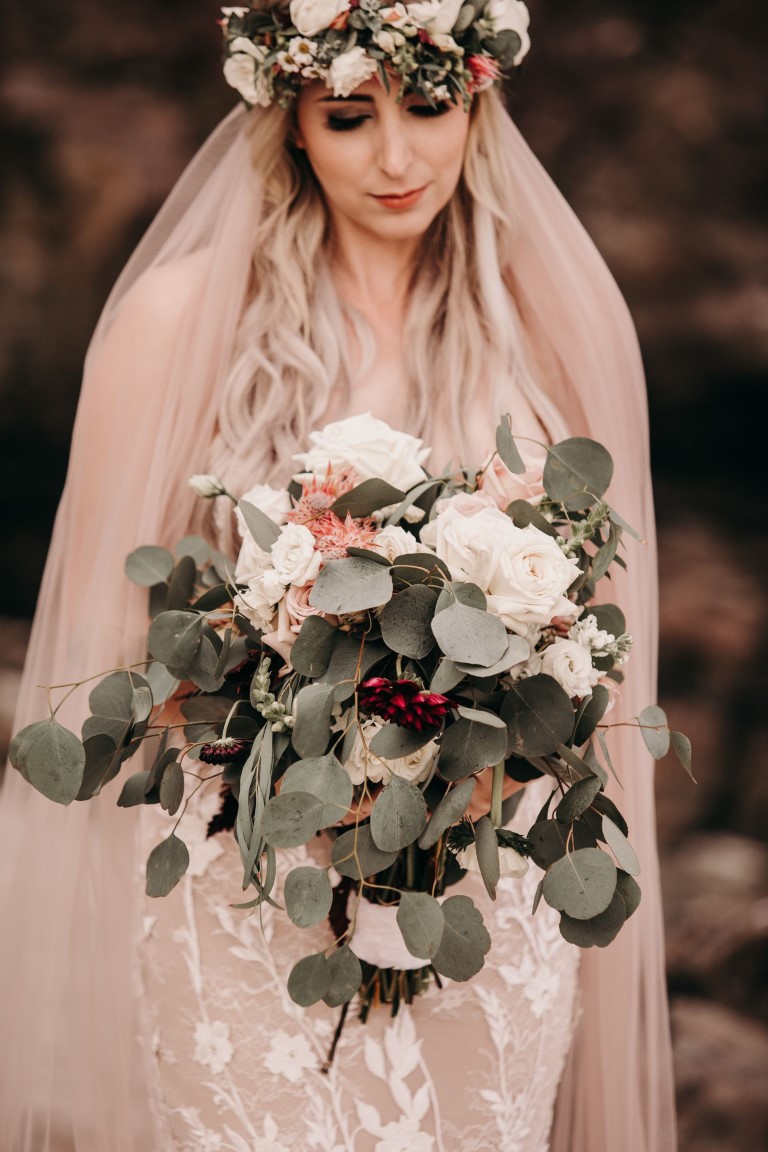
(223, 751)
(403, 702)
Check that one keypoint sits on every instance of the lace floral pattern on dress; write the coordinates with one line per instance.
(472, 1067)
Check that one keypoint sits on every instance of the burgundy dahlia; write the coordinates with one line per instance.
(223, 751)
(403, 702)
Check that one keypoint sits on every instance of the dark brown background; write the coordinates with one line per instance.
(648, 115)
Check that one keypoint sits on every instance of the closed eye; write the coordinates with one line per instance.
(429, 109)
(345, 123)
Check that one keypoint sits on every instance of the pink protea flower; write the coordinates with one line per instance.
(403, 702)
(485, 72)
(319, 494)
(334, 536)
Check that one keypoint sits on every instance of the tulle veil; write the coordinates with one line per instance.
(75, 1068)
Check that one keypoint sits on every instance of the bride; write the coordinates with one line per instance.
(354, 241)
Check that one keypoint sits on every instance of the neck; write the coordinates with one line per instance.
(372, 272)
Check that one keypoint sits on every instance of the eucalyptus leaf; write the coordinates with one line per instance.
(114, 697)
(172, 788)
(590, 714)
(446, 676)
(506, 447)
(399, 815)
(421, 921)
(655, 733)
(392, 742)
(517, 651)
(465, 592)
(551, 840)
(621, 847)
(182, 585)
(53, 759)
(419, 568)
(22, 742)
(223, 660)
(465, 940)
(161, 684)
(577, 799)
(312, 650)
(351, 585)
(291, 819)
(202, 668)
(309, 980)
(174, 638)
(448, 812)
(581, 884)
(263, 529)
(604, 746)
(481, 716)
(470, 635)
(681, 746)
(312, 728)
(577, 472)
(215, 597)
(538, 715)
(323, 777)
(630, 890)
(346, 977)
(369, 496)
(575, 763)
(599, 930)
(606, 554)
(406, 622)
(487, 848)
(467, 746)
(149, 565)
(355, 854)
(308, 896)
(616, 519)
(606, 807)
(522, 514)
(102, 763)
(609, 618)
(196, 548)
(166, 865)
(134, 790)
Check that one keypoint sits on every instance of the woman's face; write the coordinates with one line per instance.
(385, 168)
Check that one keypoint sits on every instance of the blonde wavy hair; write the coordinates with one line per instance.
(464, 328)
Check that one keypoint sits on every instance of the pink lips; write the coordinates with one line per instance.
(398, 202)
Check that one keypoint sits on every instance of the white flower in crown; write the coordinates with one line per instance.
(302, 50)
(398, 16)
(349, 70)
(437, 17)
(312, 16)
(389, 41)
(512, 16)
(242, 72)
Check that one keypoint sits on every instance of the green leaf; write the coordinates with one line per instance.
(166, 865)
(470, 635)
(114, 696)
(481, 716)
(577, 472)
(581, 884)
(448, 812)
(393, 742)
(506, 447)
(522, 514)
(623, 524)
(630, 890)
(149, 565)
(291, 819)
(590, 714)
(323, 777)
(22, 742)
(465, 941)
(354, 854)
(538, 715)
(599, 930)
(172, 788)
(134, 790)
(102, 763)
(312, 729)
(161, 684)
(308, 896)
(419, 568)
(182, 586)
(517, 651)
(196, 548)
(606, 554)
(604, 745)
(466, 747)
(346, 977)
(351, 585)
(537, 896)
(487, 847)
(465, 592)
(367, 497)
(201, 670)
(606, 807)
(351, 662)
(577, 799)
(578, 766)
(399, 815)
(174, 638)
(653, 726)
(609, 618)
(550, 840)
(621, 847)
(53, 760)
(309, 980)
(313, 647)
(263, 529)
(406, 622)
(222, 662)
(681, 746)
(421, 921)
(446, 676)
(214, 598)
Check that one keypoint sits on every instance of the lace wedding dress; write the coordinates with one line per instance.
(472, 1068)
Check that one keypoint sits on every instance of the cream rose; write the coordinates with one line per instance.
(529, 580)
(273, 502)
(466, 535)
(504, 486)
(366, 444)
(414, 768)
(513, 16)
(351, 69)
(257, 601)
(312, 16)
(571, 665)
(436, 16)
(511, 863)
(394, 541)
(242, 73)
(294, 557)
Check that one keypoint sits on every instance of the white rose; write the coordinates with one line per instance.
(394, 541)
(366, 444)
(436, 16)
(312, 16)
(413, 768)
(511, 863)
(349, 70)
(242, 73)
(571, 665)
(257, 601)
(511, 15)
(294, 557)
(273, 502)
(466, 535)
(529, 579)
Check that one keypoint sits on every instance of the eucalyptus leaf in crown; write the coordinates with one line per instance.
(384, 639)
(445, 50)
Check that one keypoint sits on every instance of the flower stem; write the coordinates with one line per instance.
(498, 784)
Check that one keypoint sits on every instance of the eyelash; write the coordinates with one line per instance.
(348, 123)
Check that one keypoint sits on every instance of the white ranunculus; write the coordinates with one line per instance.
(366, 444)
(206, 485)
(257, 601)
(511, 863)
(312, 16)
(413, 768)
(294, 557)
(514, 16)
(349, 70)
(394, 541)
(529, 580)
(436, 16)
(273, 502)
(571, 665)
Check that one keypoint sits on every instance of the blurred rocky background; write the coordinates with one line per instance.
(648, 115)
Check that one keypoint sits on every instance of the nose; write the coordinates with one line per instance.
(394, 150)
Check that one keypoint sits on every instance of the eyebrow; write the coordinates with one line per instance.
(345, 99)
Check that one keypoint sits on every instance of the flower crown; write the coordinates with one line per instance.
(441, 49)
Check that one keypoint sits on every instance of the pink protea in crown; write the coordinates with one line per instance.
(319, 494)
(334, 536)
(403, 702)
(485, 72)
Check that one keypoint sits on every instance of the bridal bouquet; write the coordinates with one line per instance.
(384, 640)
